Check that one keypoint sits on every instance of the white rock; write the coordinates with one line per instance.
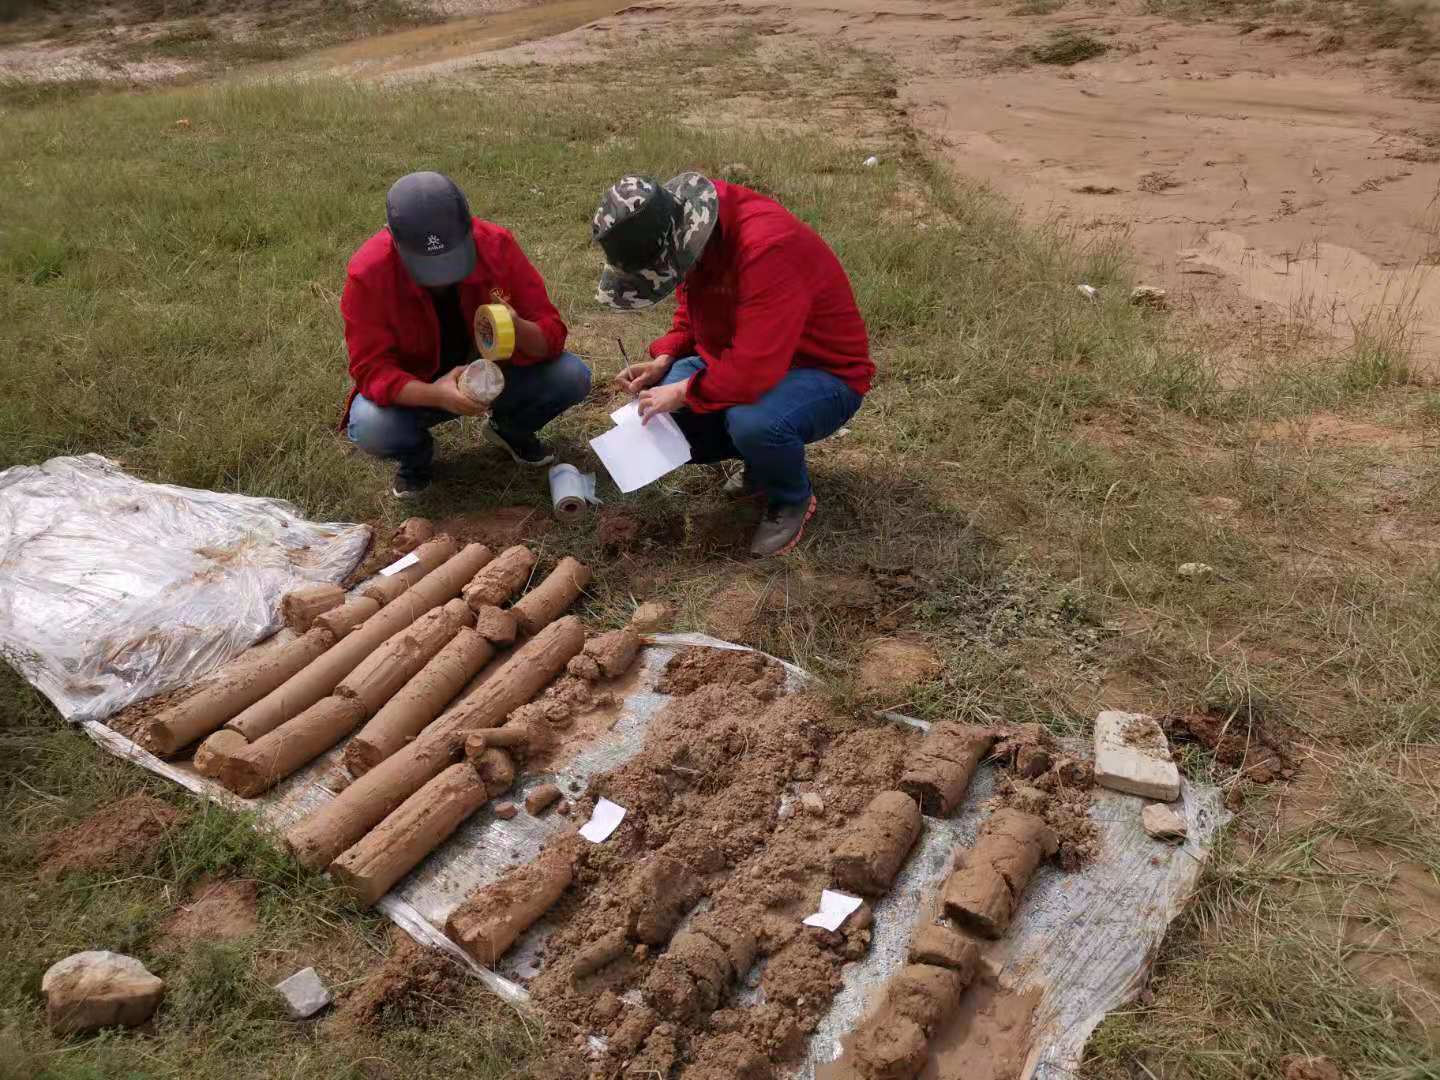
(871, 161)
(304, 993)
(1162, 822)
(811, 803)
(1088, 290)
(1132, 755)
(90, 990)
(1194, 570)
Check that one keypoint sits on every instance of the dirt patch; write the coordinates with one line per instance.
(409, 987)
(691, 669)
(891, 667)
(1053, 787)
(498, 529)
(123, 835)
(216, 910)
(1260, 749)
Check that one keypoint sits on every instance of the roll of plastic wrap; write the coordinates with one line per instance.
(483, 380)
(495, 332)
(571, 492)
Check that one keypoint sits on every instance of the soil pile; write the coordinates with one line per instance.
(412, 984)
(216, 910)
(1261, 751)
(125, 834)
(1053, 787)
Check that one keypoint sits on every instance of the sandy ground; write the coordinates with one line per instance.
(1245, 170)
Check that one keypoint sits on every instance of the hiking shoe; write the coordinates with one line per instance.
(781, 527)
(742, 485)
(409, 485)
(525, 449)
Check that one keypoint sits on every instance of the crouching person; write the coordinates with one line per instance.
(767, 351)
(409, 304)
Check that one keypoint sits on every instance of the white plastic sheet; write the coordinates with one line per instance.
(113, 589)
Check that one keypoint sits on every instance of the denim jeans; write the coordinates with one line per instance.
(770, 435)
(534, 395)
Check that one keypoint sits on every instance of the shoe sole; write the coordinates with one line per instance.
(494, 438)
(799, 533)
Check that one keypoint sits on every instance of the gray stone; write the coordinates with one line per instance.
(1133, 756)
(304, 993)
(91, 990)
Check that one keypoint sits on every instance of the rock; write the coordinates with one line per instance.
(304, 994)
(652, 618)
(1162, 822)
(890, 667)
(1151, 296)
(871, 161)
(1309, 1068)
(812, 804)
(1194, 570)
(1131, 755)
(96, 989)
(506, 810)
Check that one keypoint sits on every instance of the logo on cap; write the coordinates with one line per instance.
(433, 243)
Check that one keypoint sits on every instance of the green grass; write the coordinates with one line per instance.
(1065, 48)
(172, 296)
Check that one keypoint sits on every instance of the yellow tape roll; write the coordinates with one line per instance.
(495, 332)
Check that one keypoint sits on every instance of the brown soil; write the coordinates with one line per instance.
(498, 529)
(1262, 751)
(703, 799)
(216, 910)
(891, 667)
(1060, 794)
(691, 669)
(411, 985)
(126, 834)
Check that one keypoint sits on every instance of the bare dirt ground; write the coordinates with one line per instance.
(1250, 171)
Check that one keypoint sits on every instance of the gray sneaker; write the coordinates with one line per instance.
(781, 528)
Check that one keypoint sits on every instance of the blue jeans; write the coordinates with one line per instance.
(534, 395)
(770, 435)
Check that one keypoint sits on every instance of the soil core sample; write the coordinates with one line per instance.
(867, 858)
(984, 893)
(939, 773)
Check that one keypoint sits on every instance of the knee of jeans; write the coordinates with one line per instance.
(750, 427)
(378, 430)
(572, 378)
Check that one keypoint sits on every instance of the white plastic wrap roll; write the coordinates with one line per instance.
(571, 492)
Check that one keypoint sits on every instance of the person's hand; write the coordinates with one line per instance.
(662, 399)
(640, 376)
(447, 395)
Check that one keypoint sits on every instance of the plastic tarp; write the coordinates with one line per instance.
(113, 590)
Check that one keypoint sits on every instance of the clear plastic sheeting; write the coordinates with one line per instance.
(1084, 939)
(113, 590)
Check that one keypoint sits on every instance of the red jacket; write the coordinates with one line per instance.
(767, 295)
(392, 331)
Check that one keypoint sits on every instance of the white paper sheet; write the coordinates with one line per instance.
(400, 564)
(604, 821)
(637, 454)
(835, 908)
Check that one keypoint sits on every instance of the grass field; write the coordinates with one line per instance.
(171, 264)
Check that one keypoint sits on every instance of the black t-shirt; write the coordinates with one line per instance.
(457, 341)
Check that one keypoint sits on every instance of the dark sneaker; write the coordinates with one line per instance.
(781, 527)
(409, 485)
(741, 485)
(525, 449)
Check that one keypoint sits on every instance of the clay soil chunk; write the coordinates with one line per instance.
(299, 606)
(396, 661)
(317, 839)
(91, 990)
(341, 620)
(867, 858)
(612, 653)
(506, 810)
(419, 701)
(689, 979)
(984, 893)
(321, 677)
(547, 601)
(209, 709)
(497, 626)
(489, 922)
(386, 587)
(925, 994)
(214, 752)
(500, 579)
(402, 841)
(738, 942)
(410, 534)
(942, 947)
(1133, 756)
(541, 799)
(661, 891)
(939, 772)
(268, 760)
(496, 769)
(895, 1050)
(609, 948)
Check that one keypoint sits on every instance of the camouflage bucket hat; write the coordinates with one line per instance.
(652, 234)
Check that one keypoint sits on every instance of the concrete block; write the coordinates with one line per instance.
(304, 993)
(1133, 756)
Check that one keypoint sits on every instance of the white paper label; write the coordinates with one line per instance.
(604, 821)
(835, 908)
(400, 564)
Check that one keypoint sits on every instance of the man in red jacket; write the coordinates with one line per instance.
(409, 304)
(767, 351)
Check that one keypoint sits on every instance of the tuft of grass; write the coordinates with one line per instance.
(1065, 48)
(1037, 7)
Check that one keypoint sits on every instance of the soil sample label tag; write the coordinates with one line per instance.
(604, 821)
(400, 564)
